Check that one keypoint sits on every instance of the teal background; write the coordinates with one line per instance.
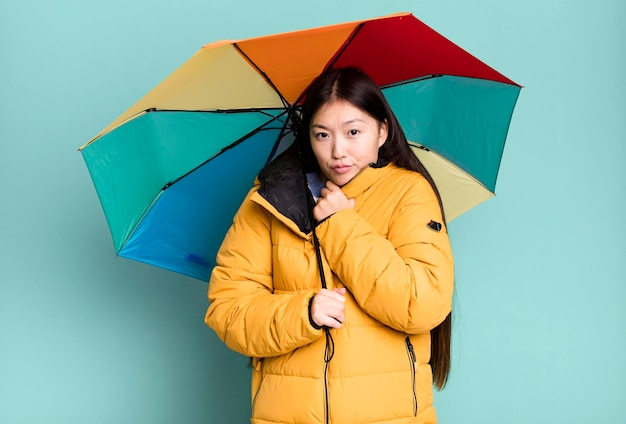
(540, 307)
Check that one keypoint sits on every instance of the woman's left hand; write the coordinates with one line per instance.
(331, 200)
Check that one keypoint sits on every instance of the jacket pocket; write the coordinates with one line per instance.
(412, 364)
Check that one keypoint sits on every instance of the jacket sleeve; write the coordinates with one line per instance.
(243, 310)
(404, 280)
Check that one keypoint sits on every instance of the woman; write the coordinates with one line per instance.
(358, 351)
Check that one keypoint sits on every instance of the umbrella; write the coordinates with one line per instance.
(171, 171)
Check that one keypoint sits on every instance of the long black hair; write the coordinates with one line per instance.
(357, 88)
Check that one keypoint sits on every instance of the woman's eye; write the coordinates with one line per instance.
(353, 132)
(321, 135)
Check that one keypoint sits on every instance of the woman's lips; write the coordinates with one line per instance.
(341, 169)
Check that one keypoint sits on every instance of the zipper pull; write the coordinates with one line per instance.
(409, 346)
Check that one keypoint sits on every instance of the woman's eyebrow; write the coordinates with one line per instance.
(348, 122)
(320, 126)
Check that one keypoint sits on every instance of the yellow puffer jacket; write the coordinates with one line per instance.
(396, 264)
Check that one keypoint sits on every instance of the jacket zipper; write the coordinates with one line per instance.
(259, 367)
(412, 361)
(326, 401)
(329, 352)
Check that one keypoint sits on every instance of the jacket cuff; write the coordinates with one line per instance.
(313, 324)
(319, 222)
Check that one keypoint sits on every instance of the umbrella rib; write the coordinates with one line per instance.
(430, 76)
(242, 110)
(335, 58)
(401, 83)
(345, 45)
(230, 146)
(427, 149)
(289, 109)
(265, 76)
(286, 129)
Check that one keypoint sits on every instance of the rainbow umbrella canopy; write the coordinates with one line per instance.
(172, 170)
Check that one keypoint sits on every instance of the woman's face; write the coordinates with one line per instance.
(345, 140)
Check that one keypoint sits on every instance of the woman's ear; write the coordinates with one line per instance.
(382, 133)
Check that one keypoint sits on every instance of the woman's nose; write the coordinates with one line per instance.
(338, 148)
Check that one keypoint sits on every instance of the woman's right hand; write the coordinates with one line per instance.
(328, 308)
(332, 200)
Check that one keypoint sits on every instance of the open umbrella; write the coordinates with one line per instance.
(171, 171)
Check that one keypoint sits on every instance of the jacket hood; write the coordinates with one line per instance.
(282, 185)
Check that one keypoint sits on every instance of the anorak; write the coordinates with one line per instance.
(393, 255)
